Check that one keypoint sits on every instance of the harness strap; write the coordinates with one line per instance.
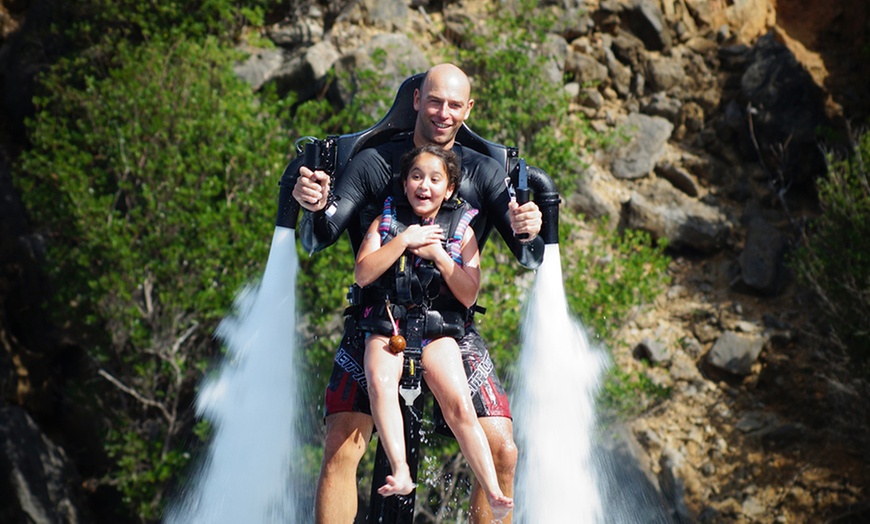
(455, 242)
(423, 279)
(404, 277)
(412, 367)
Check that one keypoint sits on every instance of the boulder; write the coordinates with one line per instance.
(393, 56)
(665, 212)
(761, 261)
(40, 485)
(736, 352)
(637, 157)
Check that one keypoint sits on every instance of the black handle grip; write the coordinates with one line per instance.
(522, 191)
(523, 196)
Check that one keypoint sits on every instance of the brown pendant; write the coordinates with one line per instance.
(397, 344)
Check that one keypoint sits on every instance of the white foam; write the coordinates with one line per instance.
(252, 402)
(554, 408)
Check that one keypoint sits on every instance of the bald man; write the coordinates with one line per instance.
(443, 103)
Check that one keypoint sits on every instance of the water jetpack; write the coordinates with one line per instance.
(332, 155)
(525, 180)
(547, 199)
(313, 153)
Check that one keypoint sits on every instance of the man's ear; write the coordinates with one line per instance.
(470, 105)
(417, 100)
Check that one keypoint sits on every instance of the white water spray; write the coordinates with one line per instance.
(252, 403)
(555, 408)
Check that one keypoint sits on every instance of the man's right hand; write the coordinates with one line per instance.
(311, 189)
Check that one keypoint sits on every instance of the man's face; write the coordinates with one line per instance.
(442, 104)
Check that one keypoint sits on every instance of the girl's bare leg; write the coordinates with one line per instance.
(445, 376)
(383, 370)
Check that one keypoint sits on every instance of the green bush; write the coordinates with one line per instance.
(834, 260)
(627, 394)
(605, 281)
(515, 103)
(155, 188)
(105, 22)
(616, 272)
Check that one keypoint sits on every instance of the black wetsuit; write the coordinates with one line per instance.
(371, 176)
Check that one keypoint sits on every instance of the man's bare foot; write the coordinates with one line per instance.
(501, 506)
(398, 484)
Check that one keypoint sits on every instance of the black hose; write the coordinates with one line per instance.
(288, 207)
(547, 199)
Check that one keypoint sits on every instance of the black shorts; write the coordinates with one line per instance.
(347, 390)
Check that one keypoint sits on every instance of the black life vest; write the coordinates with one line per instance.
(413, 285)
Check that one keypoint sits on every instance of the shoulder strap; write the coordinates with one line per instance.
(463, 218)
(389, 226)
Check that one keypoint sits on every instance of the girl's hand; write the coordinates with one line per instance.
(430, 251)
(418, 236)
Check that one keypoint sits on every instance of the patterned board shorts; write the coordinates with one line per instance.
(347, 390)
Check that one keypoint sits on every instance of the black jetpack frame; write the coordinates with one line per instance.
(332, 155)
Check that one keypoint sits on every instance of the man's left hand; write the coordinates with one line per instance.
(525, 219)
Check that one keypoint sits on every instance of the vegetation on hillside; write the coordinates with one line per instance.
(152, 173)
(834, 259)
(148, 184)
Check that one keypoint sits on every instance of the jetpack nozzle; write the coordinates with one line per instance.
(313, 153)
(288, 207)
(547, 198)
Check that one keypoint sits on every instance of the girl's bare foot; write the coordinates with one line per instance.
(501, 506)
(399, 483)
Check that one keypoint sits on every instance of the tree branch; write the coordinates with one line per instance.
(135, 394)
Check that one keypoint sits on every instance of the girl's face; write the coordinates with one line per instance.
(427, 185)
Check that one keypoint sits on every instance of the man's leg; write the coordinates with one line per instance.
(349, 428)
(499, 432)
(347, 435)
(493, 411)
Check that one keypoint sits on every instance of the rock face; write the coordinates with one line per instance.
(637, 157)
(718, 103)
(38, 483)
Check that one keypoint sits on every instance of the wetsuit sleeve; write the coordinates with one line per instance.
(311, 243)
(362, 183)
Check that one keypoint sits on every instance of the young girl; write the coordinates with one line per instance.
(430, 177)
